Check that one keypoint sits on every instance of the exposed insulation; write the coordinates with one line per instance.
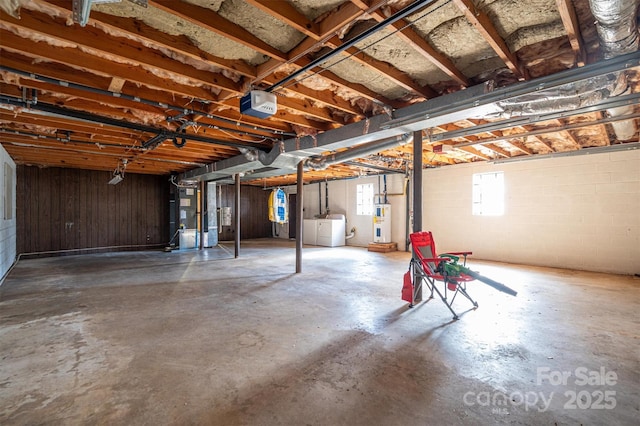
(526, 36)
(358, 73)
(38, 38)
(532, 29)
(170, 24)
(267, 28)
(433, 16)
(48, 9)
(12, 7)
(9, 78)
(547, 57)
(508, 16)
(560, 143)
(386, 46)
(460, 41)
(185, 59)
(30, 128)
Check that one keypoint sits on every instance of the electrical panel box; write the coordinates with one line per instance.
(259, 103)
(382, 223)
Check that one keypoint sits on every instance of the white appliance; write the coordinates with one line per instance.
(327, 232)
(382, 223)
(310, 231)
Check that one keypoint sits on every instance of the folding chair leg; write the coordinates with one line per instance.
(416, 289)
(444, 299)
(463, 291)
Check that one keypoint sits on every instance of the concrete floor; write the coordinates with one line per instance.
(199, 338)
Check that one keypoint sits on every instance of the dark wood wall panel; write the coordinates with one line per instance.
(64, 209)
(254, 206)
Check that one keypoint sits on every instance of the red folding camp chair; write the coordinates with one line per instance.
(427, 266)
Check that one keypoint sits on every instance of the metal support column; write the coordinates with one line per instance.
(417, 193)
(203, 200)
(237, 205)
(417, 181)
(299, 222)
(407, 224)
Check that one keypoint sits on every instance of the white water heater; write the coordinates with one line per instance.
(382, 223)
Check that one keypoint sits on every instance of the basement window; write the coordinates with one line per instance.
(488, 194)
(364, 199)
(8, 191)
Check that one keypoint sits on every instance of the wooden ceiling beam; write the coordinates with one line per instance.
(78, 60)
(172, 156)
(180, 44)
(567, 134)
(520, 146)
(337, 19)
(495, 148)
(326, 97)
(86, 161)
(112, 101)
(212, 21)
(471, 150)
(572, 27)
(127, 50)
(48, 141)
(299, 106)
(535, 138)
(285, 12)
(481, 21)
(25, 119)
(156, 37)
(331, 77)
(386, 69)
(344, 14)
(116, 85)
(420, 45)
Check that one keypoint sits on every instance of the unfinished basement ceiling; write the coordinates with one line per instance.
(135, 81)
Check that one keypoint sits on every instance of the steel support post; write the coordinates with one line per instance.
(237, 205)
(299, 212)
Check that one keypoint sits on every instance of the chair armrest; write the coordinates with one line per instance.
(436, 259)
(459, 253)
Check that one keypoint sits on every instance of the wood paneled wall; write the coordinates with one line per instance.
(63, 209)
(254, 209)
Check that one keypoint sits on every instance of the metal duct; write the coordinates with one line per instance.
(618, 31)
(617, 28)
(476, 101)
(567, 97)
(320, 163)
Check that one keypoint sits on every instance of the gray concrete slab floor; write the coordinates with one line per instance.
(193, 337)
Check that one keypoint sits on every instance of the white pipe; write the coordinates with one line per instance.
(351, 234)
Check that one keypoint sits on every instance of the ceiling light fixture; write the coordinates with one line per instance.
(118, 173)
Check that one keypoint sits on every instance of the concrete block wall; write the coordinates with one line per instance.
(580, 212)
(7, 227)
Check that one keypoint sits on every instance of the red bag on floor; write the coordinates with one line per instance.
(407, 288)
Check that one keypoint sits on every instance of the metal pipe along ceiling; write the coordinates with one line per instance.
(476, 101)
(320, 163)
(344, 46)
